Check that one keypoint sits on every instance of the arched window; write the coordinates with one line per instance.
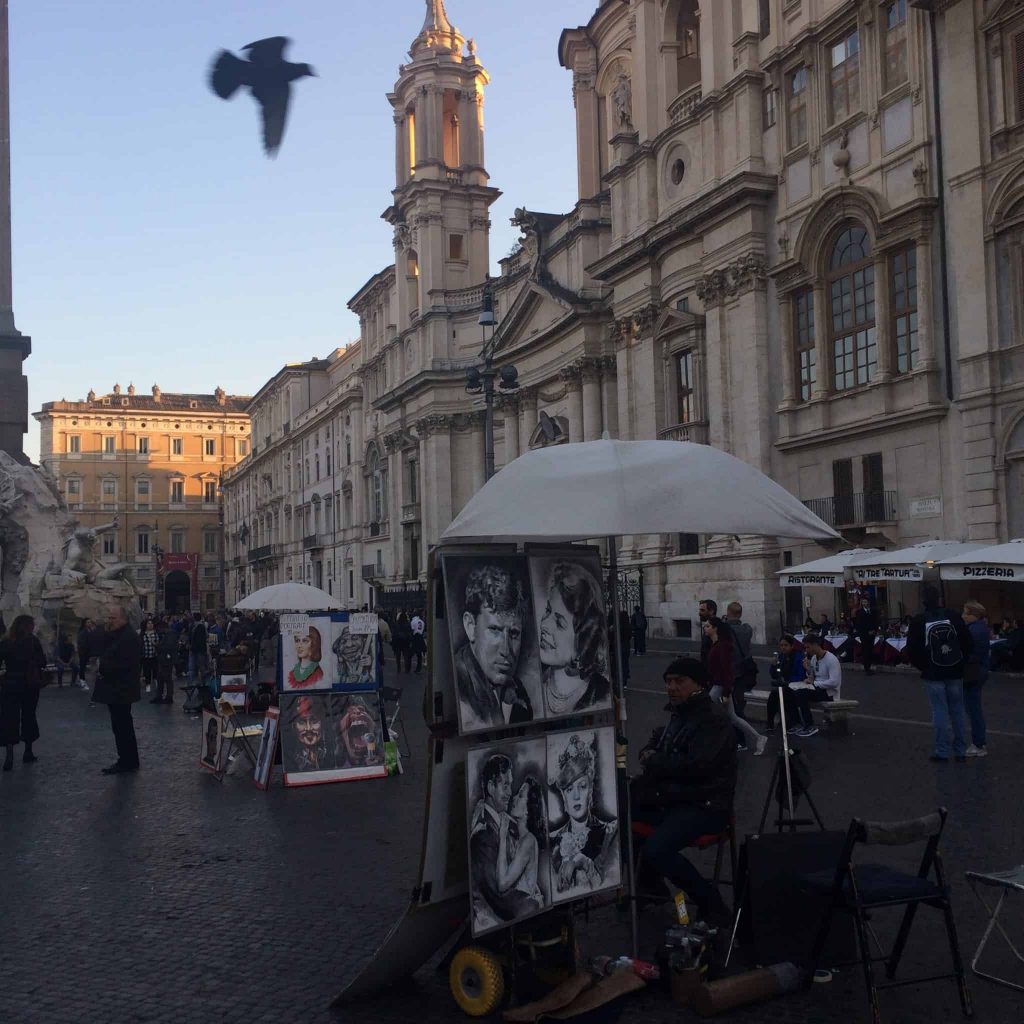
(412, 282)
(851, 290)
(688, 41)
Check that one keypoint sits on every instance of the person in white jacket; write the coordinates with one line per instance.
(824, 680)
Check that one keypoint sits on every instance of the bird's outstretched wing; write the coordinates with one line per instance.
(227, 74)
(273, 101)
(267, 52)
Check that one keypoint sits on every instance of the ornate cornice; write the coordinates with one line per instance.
(435, 423)
(631, 328)
(742, 275)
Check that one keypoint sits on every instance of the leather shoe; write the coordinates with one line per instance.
(119, 769)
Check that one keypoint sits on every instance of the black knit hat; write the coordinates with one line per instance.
(689, 667)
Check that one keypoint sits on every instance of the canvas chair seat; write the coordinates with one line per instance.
(877, 884)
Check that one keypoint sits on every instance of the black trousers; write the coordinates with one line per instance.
(18, 722)
(123, 726)
(867, 650)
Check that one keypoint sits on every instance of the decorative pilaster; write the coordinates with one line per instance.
(592, 420)
(927, 359)
(571, 378)
(884, 340)
(822, 320)
(527, 416)
(788, 354)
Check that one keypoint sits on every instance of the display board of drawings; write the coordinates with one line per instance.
(331, 723)
(530, 645)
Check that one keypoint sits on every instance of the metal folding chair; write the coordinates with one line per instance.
(861, 889)
(1008, 882)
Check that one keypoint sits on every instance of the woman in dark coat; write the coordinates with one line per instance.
(722, 679)
(22, 655)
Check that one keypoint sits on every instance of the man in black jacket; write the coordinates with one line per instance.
(687, 786)
(865, 626)
(118, 686)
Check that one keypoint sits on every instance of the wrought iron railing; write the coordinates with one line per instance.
(856, 509)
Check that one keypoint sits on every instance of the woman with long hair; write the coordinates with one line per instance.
(787, 668)
(573, 642)
(722, 678)
(307, 671)
(518, 858)
(22, 655)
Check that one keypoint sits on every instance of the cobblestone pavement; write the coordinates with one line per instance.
(169, 897)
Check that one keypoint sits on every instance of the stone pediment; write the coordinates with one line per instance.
(1000, 12)
(535, 310)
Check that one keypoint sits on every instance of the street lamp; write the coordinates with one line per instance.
(481, 379)
(158, 554)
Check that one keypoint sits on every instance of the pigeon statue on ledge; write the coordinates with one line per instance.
(268, 76)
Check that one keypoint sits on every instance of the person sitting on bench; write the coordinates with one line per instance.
(686, 787)
(787, 668)
(824, 679)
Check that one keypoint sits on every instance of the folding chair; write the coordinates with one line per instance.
(862, 888)
(1007, 881)
(724, 841)
(393, 695)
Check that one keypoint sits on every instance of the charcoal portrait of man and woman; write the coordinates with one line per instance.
(542, 823)
(528, 636)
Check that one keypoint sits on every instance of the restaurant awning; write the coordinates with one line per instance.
(831, 571)
(909, 565)
(998, 562)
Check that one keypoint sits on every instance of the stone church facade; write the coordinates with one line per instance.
(798, 238)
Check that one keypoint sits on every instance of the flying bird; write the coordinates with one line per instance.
(268, 76)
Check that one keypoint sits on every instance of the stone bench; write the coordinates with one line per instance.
(835, 713)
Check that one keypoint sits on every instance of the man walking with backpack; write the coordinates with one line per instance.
(744, 668)
(938, 644)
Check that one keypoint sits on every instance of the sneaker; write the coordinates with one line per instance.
(741, 748)
(810, 730)
(762, 742)
(83, 685)
(794, 730)
(973, 751)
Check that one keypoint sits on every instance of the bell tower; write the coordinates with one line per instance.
(442, 197)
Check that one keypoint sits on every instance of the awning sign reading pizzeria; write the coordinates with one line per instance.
(982, 572)
(888, 574)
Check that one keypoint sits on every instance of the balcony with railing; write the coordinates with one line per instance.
(697, 432)
(379, 529)
(685, 104)
(850, 510)
(369, 572)
(265, 551)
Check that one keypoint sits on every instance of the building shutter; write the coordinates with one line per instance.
(842, 489)
(1018, 76)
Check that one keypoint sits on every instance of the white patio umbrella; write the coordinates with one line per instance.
(999, 562)
(831, 571)
(288, 597)
(612, 488)
(909, 565)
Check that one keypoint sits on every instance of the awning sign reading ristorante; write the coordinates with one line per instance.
(888, 574)
(1013, 573)
(813, 579)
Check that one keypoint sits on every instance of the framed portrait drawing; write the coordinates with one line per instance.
(508, 833)
(211, 752)
(324, 652)
(572, 633)
(268, 748)
(233, 689)
(583, 813)
(331, 737)
(493, 640)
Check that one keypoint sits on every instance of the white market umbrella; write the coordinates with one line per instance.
(999, 562)
(831, 571)
(614, 488)
(288, 597)
(909, 565)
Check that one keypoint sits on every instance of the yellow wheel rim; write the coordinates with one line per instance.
(476, 981)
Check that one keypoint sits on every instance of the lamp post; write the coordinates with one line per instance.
(158, 554)
(481, 379)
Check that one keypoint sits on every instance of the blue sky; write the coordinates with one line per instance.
(153, 241)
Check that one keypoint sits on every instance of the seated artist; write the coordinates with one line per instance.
(686, 787)
(787, 668)
(824, 679)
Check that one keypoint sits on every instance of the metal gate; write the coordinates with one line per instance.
(630, 588)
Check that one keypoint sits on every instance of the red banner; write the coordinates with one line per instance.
(182, 563)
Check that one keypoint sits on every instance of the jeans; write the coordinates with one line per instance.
(198, 666)
(675, 829)
(123, 726)
(741, 724)
(946, 697)
(803, 699)
(972, 702)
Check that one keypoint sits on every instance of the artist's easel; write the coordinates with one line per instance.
(236, 736)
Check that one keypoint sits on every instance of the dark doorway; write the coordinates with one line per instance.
(177, 592)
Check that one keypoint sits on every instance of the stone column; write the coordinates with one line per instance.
(587, 134)
(884, 340)
(476, 434)
(926, 323)
(822, 322)
(527, 417)
(437, 454)
(571, 376)
(401, 155)
(788, 342)
(425, 508)
(511, 407)
(592, 422)
(609, 397)
(435, 100)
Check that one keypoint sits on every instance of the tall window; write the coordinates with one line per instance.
(796, 107)
(142, 543)
(317, 460)
(903, 273)
(177, 446)
(74, 493)
(769, 108)
(109, 491)
(348, 451)
(685, 389)
(243, 447)
(142, 495)
(74, 444)
(209, 446)
(895, 28)
(1018, 75)
(803, 341)
(844, 77)
(177, 492)
(109, 445)
(178, 542)
(378, 489)
(143, 445)
(209, 543)
(852, 289)
(688, 38)
(209, 491)
(110, 543)
(414, 481)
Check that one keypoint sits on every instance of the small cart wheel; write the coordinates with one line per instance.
(476, 981)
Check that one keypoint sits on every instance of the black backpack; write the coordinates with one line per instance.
(942, 642)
